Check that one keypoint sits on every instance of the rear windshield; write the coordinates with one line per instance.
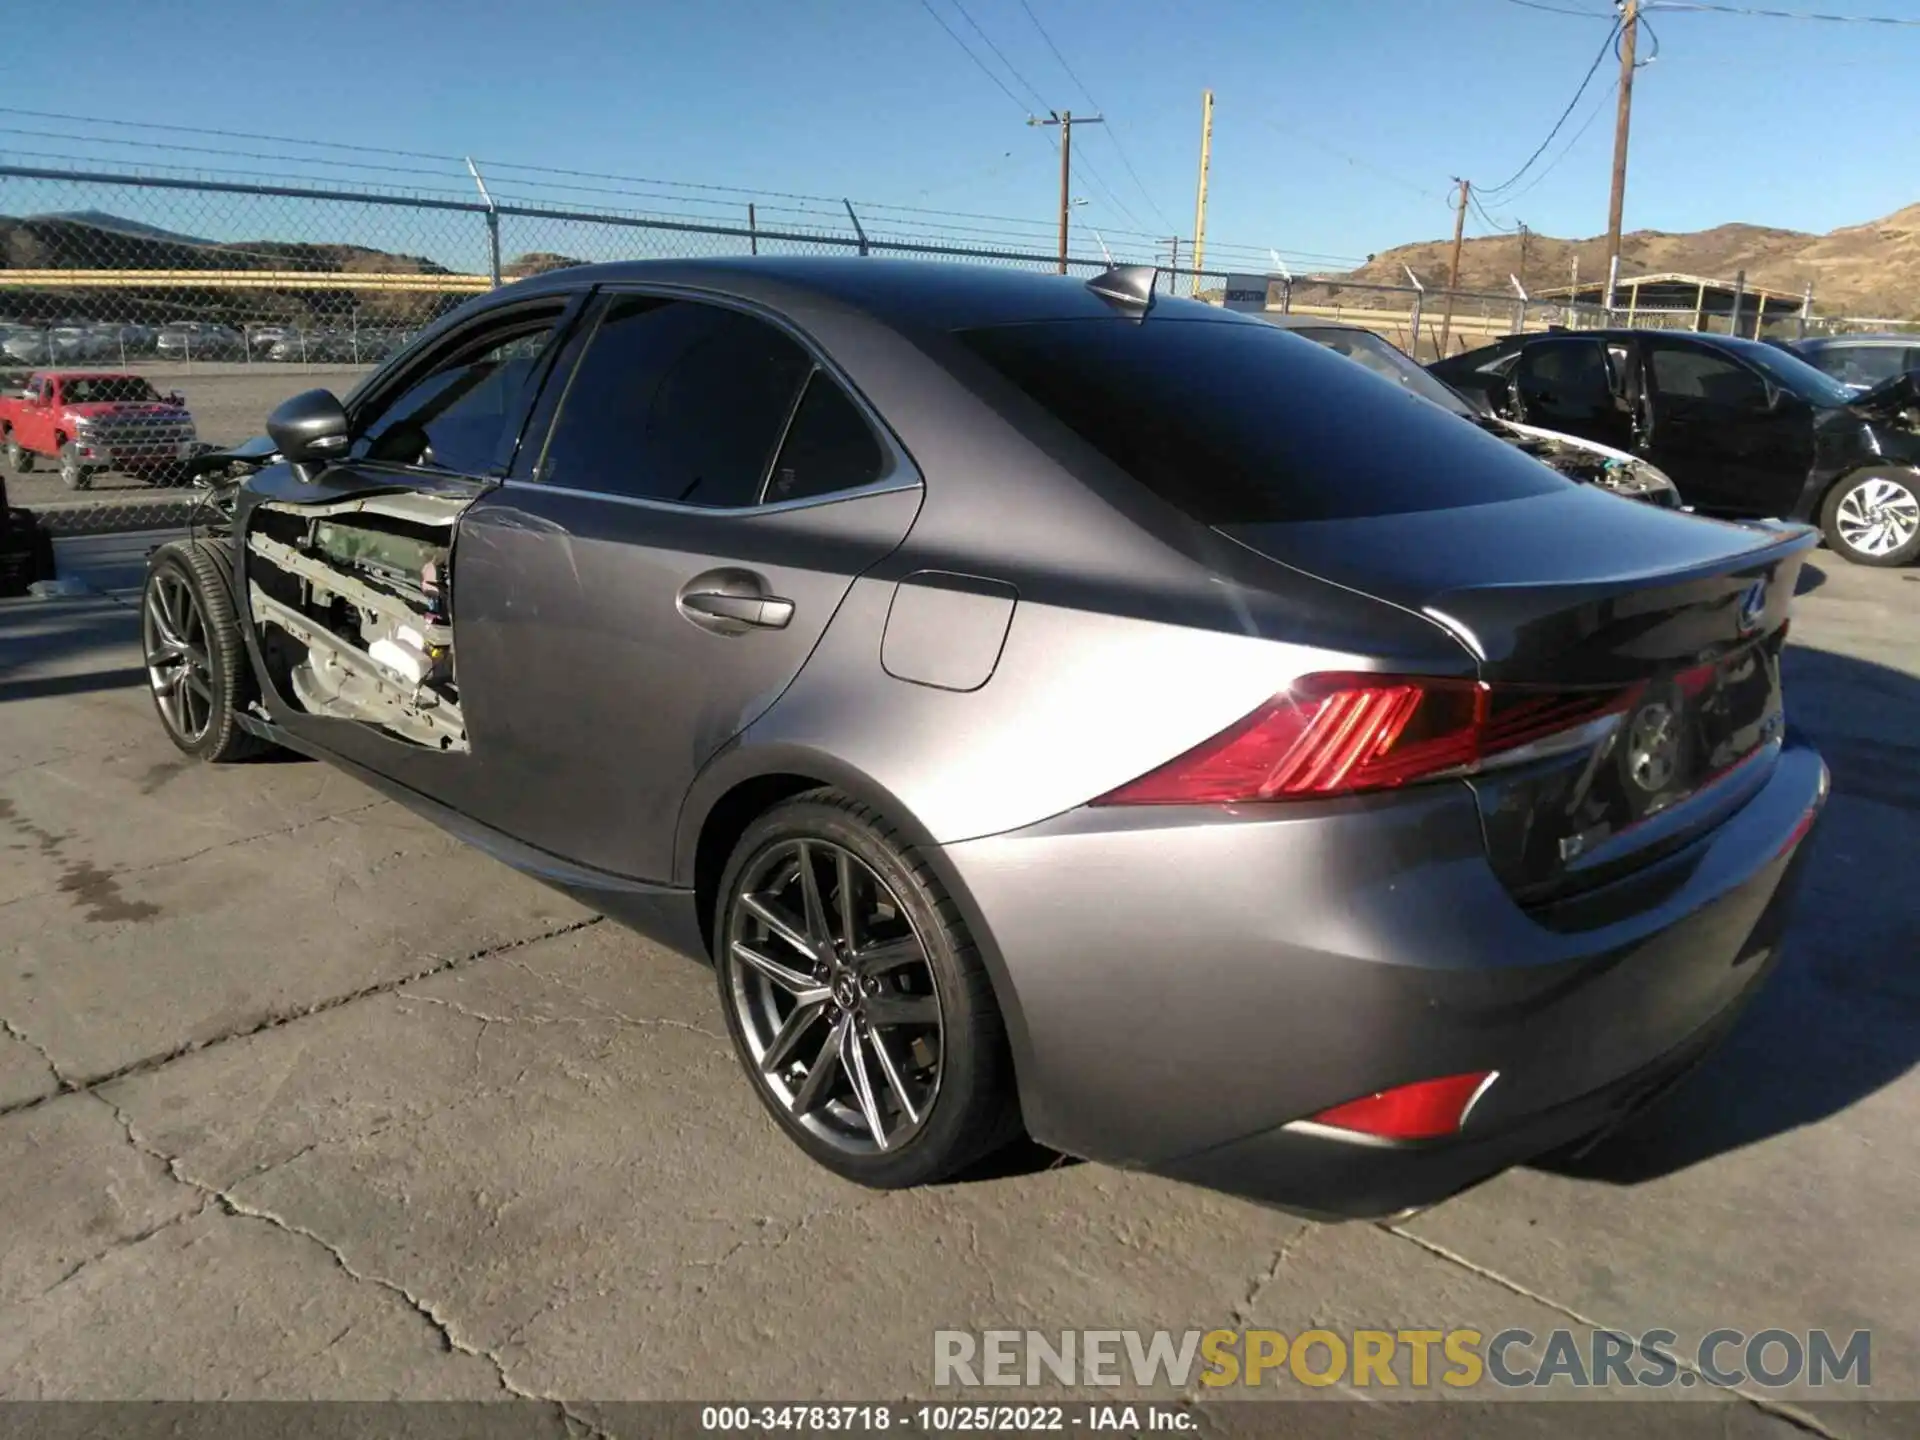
(1243, 423)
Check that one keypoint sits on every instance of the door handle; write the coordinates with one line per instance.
(764, 612)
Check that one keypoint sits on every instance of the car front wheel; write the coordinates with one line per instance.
(197, 666)
(73, 472)
(1873, 518)
(856, 999)
(19, 458)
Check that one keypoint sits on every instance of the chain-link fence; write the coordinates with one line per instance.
(232, 294)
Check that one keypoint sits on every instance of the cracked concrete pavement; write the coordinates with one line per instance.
(300, 1098)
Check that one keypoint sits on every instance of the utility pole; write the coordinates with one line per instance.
(1200, 201)
(1453, 274)
(1523, 252)
(1066, 120)
(1629, 32)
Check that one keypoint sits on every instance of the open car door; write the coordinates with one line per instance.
(347, 569)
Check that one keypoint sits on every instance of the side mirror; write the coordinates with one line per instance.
(309, 430)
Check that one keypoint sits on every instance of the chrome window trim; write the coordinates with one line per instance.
(887, 485)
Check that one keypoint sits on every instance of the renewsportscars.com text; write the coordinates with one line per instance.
(1387, 1359)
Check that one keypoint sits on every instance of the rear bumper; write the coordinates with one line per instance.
(1188, 987)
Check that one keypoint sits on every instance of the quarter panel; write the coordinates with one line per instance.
(1082, 701)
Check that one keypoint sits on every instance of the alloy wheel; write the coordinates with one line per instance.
(835, 996)
(1878, 516)
(174, 632)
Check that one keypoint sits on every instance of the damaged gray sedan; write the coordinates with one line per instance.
(1047, 705)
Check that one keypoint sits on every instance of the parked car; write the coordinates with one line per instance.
(198, 340)
(1860, 362)
(1044, 702)
(88, 422)
(1743, 428)
(24, 345)
(1579, 460)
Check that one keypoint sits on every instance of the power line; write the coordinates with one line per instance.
(1900, 20)
(1486, 219)
(1585, 81)
(179, 147)
(227, 134)
(1112, 133)
(1353, 160)
(1566, 149)
(1039, 100)
(985, 69)
(1557, 10)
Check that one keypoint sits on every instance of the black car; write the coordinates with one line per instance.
(1581, 461)
(1744, 429)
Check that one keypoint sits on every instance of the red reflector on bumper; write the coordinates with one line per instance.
(1424, 1110)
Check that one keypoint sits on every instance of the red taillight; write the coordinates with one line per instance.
(1424, 1110)
(1342, 734)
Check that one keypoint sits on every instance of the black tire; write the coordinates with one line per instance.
(19, 458)
(192, 568)
(1839, 515)
(975, 1109)
(73, 474)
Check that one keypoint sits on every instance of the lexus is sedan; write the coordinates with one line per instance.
(1049, 705)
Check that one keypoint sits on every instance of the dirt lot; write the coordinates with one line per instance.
(299, 1098)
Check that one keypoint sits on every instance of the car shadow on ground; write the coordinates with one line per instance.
(1840, 1018)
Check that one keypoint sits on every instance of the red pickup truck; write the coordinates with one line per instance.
(87, 421)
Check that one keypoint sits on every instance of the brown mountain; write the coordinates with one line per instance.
(1868, 270)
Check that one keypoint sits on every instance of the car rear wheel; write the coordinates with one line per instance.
(1873, 518)
(19, 458)
(197, 668)
(856, 999)
(73, 473)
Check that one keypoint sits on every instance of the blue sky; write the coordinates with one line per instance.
(1337, 125)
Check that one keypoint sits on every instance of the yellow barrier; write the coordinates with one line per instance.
(385, 282)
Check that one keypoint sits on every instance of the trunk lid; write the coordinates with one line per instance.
(1583, 591)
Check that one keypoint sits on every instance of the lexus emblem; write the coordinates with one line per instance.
(1753, 606)
(1653, 748)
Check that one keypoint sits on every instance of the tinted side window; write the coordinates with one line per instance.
(461, 413)
(676, 400)
(1684, 373)
(828, 446)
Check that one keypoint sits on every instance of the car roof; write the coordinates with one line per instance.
(948, 296)
(1839, 342)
